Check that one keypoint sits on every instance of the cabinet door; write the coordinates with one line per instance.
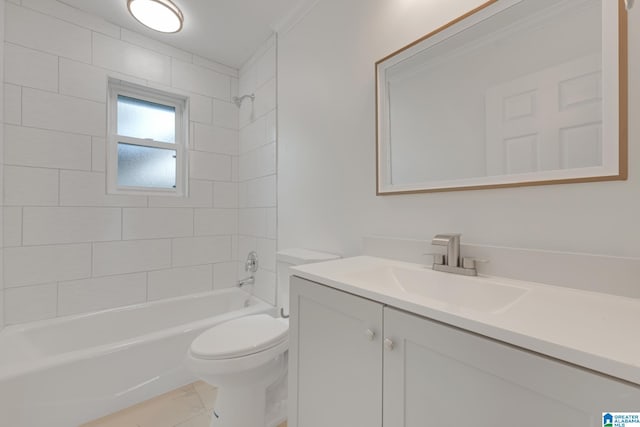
(437, 375)
(335, 358)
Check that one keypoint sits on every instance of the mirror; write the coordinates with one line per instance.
(515, 92)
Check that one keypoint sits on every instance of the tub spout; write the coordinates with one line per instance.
(247, 281)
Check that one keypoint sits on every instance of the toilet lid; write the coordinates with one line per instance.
(240, 337)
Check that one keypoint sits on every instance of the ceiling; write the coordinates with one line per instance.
(226, 31)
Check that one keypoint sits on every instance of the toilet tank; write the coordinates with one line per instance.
(292, 257)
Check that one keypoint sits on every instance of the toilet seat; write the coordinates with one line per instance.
(240, 337)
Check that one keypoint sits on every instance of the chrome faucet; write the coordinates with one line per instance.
(251, 280)
(452, 262)
(250, 266)
(452, 242)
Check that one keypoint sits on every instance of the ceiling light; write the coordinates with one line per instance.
(159, 15)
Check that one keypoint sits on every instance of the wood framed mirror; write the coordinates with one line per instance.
(513, 93)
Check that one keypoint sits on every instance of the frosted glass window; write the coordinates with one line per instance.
(140, 166)
(146, 120)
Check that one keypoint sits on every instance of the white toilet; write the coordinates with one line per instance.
(246, 358)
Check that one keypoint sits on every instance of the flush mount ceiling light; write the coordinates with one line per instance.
(159, 15)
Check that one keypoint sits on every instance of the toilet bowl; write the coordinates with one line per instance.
(246, 358)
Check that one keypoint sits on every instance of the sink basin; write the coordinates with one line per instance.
(455, 291)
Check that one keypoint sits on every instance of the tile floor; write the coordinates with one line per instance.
(188, 406)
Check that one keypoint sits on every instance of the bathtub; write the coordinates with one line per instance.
(67, 371)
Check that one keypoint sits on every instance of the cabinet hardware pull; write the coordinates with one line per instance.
(388, 344)
(369, 334)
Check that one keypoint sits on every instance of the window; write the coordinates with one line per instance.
(147, 140)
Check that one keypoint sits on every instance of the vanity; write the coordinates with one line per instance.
(378, 342)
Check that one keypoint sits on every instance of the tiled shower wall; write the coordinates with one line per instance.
(257, 167)
(68, 246)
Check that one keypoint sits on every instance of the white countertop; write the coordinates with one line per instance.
(597, 331)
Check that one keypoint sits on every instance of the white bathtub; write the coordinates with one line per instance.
(66, 371)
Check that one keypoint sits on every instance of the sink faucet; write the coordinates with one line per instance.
(452, 242)
(452, 262)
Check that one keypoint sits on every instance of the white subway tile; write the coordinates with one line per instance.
(12, 226)
(200, 196)
(42, 264)
(30, 303)
(215, 66)
(271, 126)
(210, 222)
(215, 139)
(261, 192)
(266, 66)
(12, 104)
(246, 114)
(179, 281)
(265, 98)
(197, 79)
(266, 249)
(201, 250)
(30, 186)
(43, 226)
(98, 154)
(225, 275)
(272, 223)
(242, 194)
(246, 244)
(82, 80)
(45, 148)
(156, 46)
(130, 256)
(64, 113)
(253, 135)
(130, 59)
(210, 166)
(35, 30)
(225, 195)
(73, 15)
(82, 296)
(248, 78)
(252, 222)
(89, 189)
(234, 87)
(200, 108)
(258, 163)
(28, 67)
(235, 168)
(225, 114)
(154, 223)
(265, 287)
(2, 323)
(234, 247)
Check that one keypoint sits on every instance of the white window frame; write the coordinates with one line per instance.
(181, 105)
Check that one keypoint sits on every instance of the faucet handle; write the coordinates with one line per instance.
(470, 262)
(438, 258)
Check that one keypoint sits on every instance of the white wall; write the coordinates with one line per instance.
(327, 149)
(69, 247)
(257, 168)
(1, 164)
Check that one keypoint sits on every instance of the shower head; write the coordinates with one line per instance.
(238, 100)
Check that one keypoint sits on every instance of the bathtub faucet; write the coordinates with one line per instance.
(247, 281)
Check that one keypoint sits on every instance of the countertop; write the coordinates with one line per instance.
(593, 330)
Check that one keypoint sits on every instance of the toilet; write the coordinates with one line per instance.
(246, 358)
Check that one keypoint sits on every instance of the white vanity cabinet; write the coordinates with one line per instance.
(415, 372)
(335, 358)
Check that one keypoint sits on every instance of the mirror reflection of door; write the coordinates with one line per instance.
(548, 120)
